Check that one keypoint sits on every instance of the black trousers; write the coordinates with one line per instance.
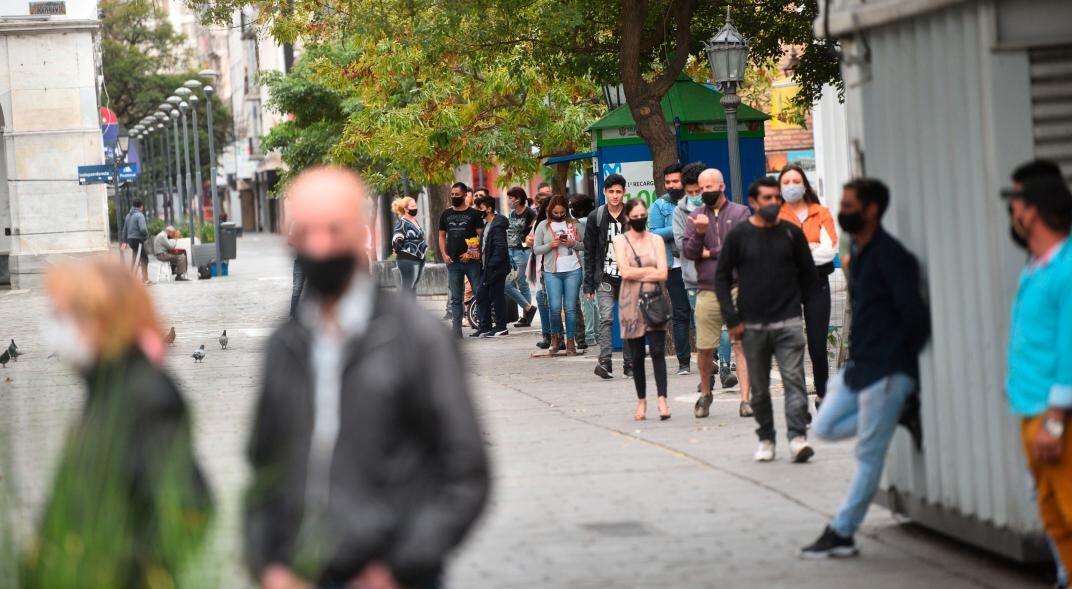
(657, 343)
(489, 295)
(682, 317)
(816, 327)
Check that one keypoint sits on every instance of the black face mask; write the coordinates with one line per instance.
(1017, 231)
(412, 212)
(769, 213)
(328, 277)
(711, 198)
(558, 218)
(639, 224)
(675, 193)
(851, 222)
(457, 200)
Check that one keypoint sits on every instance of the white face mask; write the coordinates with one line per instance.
(63, 338)
(793, 192)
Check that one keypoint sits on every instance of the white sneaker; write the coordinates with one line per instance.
(799, 450)
(765, 452)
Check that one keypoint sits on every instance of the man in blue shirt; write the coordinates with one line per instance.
(890, 326)
(661, 223)
(1039, 380)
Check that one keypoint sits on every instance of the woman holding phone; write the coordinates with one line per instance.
(559, 239)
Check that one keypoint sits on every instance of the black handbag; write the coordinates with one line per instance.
(654, 305)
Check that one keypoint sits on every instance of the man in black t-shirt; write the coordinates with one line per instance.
(774, 269)
(459, 242)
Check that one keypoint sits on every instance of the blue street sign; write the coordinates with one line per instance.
(128, 171)
(97, 174)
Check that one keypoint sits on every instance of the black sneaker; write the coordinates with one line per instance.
(498, 333)
(728, 378)
(582, 344)
(830, 544)
(545, 343)
(627, 370)
(478, 333)
(604, 370)
(526, 318)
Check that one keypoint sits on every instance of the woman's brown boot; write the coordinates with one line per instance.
(571, 347)
(556, 344)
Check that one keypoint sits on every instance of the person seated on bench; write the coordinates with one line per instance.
(164, 246)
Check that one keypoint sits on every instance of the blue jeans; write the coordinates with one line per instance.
(871, 415)
(562, 291)
(590, 311)
(518, 290)
(724, 348)
(456, 275)
(682, 316)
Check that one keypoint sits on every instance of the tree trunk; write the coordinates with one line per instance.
(438, 200)
(645, 97)
(558, 183)
(660, 137)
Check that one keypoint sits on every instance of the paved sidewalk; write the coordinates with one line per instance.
(584, 497)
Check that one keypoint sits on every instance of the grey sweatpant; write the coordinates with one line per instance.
(785, 344)
(606, 297)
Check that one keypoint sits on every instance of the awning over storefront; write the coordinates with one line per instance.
(561, 159)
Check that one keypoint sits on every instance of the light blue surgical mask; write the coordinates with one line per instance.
(696, 200)
(793, 192)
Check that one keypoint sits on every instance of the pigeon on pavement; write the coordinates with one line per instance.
(13, 350)
(199, 354)
(170, 339)
(223, 340)
(5, 358)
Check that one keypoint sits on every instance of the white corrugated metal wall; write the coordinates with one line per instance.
(944, 121)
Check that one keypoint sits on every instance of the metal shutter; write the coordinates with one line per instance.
(1051, 105)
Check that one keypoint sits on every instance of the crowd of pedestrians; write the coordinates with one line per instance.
(364, 476)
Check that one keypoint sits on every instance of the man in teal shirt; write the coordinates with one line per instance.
(1039, 381)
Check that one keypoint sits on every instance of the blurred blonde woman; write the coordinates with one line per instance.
(128, 506)
(409, 244)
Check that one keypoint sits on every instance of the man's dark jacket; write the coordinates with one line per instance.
(595, 247)
(495, 253)
(409, 474)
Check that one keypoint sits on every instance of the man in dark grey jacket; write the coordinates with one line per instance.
(133, 234)
(366, 471)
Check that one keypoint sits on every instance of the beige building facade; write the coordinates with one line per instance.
(49, 125)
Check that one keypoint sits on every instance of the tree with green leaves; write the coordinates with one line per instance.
(317, 112)
(442, 83)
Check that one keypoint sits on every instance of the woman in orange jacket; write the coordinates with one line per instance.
(802, 208)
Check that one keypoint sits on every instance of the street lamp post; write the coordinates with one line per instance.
(197, 162)
(193, 86)
(119, 149)
(173, 114)
(183, 107)
(165, 149)
(180, 190)
(211, 75)
(728, 53)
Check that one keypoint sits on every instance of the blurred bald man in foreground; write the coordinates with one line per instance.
(367, 472)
